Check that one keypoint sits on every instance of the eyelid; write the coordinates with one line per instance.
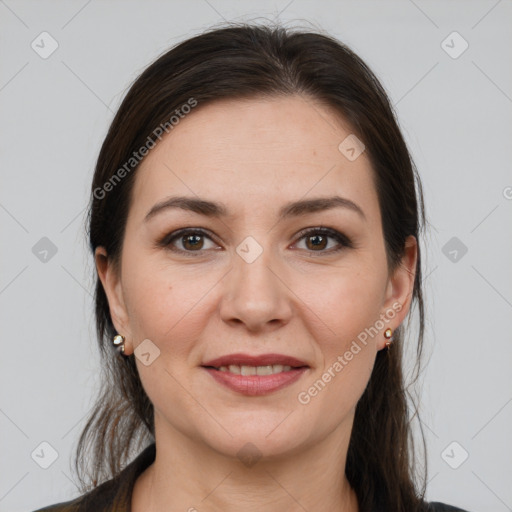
(342, 240)
(167, 240)
(334, 233)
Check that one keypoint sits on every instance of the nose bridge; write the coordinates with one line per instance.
(255, 293)
(252, 271)
(252, 264)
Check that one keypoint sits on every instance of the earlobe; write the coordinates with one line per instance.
(110, 279)
(401, 287)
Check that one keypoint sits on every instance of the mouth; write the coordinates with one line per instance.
(254, 370)
(255, 375)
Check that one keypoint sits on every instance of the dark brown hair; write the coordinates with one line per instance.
(248, 61)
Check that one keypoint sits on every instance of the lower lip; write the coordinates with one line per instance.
(256, 385)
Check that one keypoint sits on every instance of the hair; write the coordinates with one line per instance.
(248, 61)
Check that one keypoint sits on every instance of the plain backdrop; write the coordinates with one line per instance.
(447, 69)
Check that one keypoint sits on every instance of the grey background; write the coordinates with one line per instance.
(455, 114)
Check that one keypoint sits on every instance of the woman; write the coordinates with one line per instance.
(254, 218)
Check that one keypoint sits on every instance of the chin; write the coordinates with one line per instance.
(255, 440)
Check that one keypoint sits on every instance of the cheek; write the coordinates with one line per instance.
(331, 395)
(352, 304)
(164, 303)
(351, 308)
(167, 307)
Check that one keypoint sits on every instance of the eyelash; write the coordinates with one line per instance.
(343, 240)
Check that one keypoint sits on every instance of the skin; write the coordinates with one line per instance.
(295, 299)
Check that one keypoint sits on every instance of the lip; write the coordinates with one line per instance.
(261, 360)
(256, 385)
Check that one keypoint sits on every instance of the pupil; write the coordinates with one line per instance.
(318, 237)
(190, 240)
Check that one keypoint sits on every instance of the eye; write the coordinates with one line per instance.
(317, 239)
(190, 240)
(193, 240)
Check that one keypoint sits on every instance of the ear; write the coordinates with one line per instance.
(400, 288)
(109, 275)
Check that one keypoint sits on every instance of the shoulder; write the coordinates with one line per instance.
(67, 506)
(112, 495)
(436, 506)
(74, 506)
(100, 499)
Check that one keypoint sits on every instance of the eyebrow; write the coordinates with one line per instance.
(218, 210)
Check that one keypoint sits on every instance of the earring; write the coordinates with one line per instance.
(118, 342)
(387, 334)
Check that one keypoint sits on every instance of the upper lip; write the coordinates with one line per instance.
(261, 360)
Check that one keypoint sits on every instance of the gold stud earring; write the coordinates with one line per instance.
(118, 342)
(387, 334)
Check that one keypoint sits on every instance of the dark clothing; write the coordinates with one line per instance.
(115, 495)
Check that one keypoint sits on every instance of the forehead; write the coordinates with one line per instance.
(255, 155)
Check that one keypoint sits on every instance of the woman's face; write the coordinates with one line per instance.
(251, 281)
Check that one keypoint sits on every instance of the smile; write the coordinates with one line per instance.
(256, 380)
(255, 370)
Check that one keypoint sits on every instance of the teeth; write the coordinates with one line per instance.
(233, 368)
(264, 370)
(248, 370)
(255, 370)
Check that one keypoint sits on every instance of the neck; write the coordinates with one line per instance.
(191, 477)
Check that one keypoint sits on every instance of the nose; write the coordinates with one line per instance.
(256, 295)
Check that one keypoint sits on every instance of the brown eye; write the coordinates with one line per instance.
(192, 241)
(187, 241)
(317, 240)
